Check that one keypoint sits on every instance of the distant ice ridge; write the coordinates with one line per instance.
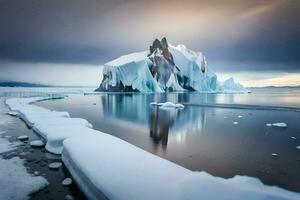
(164, 68)
(104, 165)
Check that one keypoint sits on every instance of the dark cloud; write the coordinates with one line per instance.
(262, 33)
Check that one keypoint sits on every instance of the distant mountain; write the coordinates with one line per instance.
(276, 87)
(20, 84)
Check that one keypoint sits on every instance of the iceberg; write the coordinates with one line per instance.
(163, 68)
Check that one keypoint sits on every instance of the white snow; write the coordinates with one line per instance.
(280, 124)
(16, 183)
(37, 143)
(67, 181)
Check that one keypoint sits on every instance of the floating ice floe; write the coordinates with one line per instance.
(22, 137)
(268, 124)
(274, 154)
(67, 181)
(170, 105)
(293, 137)
(55, 165)
(37, 143)
(69, 197)
(129, 172)
(235, 123)
(240, 116)
(280, 124)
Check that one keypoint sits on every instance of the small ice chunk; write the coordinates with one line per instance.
(297, 147)
(178, 105)
(67, 181)
(36, 173)
(293, 137)
(37, 143)
(153, 103)
(55, 165)
(280, 124)
(22, 137)
(240, 116)
(170, 105)
(268, 124)
(69, 197)
(235, 123)
(12, 113)
(274, 154)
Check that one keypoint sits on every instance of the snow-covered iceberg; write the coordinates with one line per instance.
(163, 68)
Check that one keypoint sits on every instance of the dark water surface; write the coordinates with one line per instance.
(203, 138)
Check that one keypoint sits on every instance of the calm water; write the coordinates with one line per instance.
(203, 138)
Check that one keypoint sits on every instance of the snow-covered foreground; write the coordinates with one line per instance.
(103, 164)
(16, 183)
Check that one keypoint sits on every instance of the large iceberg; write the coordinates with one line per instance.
(163, 68)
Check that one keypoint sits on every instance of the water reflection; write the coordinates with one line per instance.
(162, 124)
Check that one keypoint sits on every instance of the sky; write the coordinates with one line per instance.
(63, 42)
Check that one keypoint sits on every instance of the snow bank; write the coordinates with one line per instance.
(53, 126)
(102, 163)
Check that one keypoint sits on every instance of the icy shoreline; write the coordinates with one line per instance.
(103, 164)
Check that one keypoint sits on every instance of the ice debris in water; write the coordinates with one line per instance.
(274, 154)
(280, 124)
(69, 197)
(268, 124)
(153, 103)
(170, 105)
(55, 165)
(22, 137)
(293, 137)
(67, 181)
(37, 143)
(235, 123)
(240, 116)
(298, 147)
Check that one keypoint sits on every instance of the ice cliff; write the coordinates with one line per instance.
(163, 68)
